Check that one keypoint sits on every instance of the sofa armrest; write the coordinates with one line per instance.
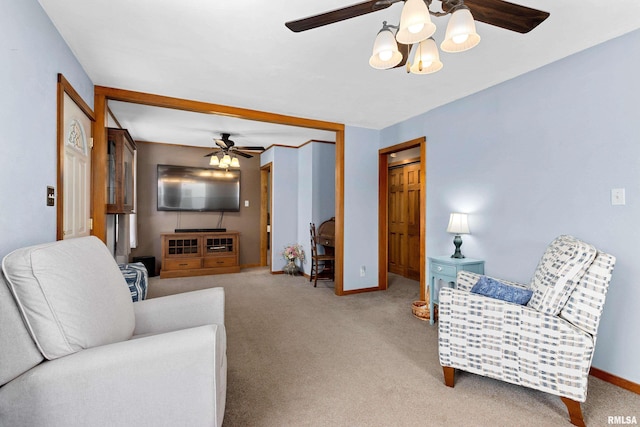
(180, 311)
(466, 279)
(513, 343)
(178, 378)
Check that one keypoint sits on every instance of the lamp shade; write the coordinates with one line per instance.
(226, 159)
(458, 223)
(385, 51)
(415, 23)
(214, 161)
(235, 163)
(426, 59)
(461, 32)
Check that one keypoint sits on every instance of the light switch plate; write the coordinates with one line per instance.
(246, 203)
(618, 196)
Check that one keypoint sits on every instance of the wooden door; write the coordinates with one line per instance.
(77, 171)
(404, 220)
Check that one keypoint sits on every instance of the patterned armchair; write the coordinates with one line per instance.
(547, 344)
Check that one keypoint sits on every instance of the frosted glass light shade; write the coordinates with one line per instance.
(214, 161)
(226, 159)
(385, 51)
(427, 58)
(415, 23)
(235, 163)
(458, 223)
(461, 32)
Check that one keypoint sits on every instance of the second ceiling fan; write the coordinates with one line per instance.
(228, 150)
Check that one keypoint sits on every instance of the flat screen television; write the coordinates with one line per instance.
(186, 188)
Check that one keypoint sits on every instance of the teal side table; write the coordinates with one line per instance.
(446, 269)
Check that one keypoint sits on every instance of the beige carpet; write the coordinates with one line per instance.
(301, 356)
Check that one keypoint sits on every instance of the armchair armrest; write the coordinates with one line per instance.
(465, 281)
(513, 343)
(180, 311)
(178, 378)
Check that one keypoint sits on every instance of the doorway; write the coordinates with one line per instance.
(104, 94)
(402, 213)
(265, 214)
(74, 135)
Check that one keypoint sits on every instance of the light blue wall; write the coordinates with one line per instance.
(303, 192)
(32, 53)
(360, 208)
(536, 157)
(305, 200)
(284, 200)
(324, 182)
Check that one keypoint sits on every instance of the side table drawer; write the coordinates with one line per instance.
(444, 270)
(182, 264)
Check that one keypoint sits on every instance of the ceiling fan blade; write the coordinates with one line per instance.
(338, 15)
(240, 153)
(221, 143)
(250, 148)
(213, 153)
(505, 15)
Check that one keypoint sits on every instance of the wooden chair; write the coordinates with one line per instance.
(321, 264)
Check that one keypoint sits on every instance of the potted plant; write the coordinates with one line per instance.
(292, 253)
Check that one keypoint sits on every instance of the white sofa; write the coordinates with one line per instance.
(76, 351)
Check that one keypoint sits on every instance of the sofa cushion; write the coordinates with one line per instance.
(562, 266)
(71, 294)
(495, 289)
(18, 352)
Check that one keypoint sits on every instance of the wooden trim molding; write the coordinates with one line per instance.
(615, 380)
(104, 94)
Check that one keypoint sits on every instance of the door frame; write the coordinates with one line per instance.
(383, 211)
(266, 183)
(63, 86)
(103, 94)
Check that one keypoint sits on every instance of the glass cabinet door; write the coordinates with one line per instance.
(121, 171)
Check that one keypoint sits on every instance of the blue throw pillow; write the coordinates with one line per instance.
(493, 289)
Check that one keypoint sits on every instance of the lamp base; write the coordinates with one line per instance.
(457, 241)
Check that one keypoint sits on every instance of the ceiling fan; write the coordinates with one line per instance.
(499, 13)
(227, 146)
(395, 43)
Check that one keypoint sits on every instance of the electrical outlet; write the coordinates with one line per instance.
(363, 271)
(246, 203)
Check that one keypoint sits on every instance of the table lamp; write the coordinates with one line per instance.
(458, 225)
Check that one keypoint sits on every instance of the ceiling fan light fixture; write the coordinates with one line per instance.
(385, 50)
(461, 32)
(426, 58)
(415, 23)
(214, 161)
(226, 160)
(235, 163)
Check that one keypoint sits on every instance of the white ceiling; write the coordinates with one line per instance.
(239, 53)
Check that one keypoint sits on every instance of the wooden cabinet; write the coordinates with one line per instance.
(199, 254)
(120, 179)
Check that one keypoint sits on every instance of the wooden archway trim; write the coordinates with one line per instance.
(104, 94)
